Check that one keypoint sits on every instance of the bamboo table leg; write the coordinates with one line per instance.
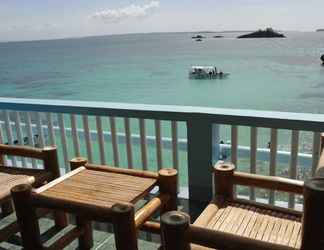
(6, 208)
(124, 227)
(175, 230)
(168, 178)
(26, 217)
(86, 239)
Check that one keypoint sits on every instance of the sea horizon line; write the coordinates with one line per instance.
(144, 33)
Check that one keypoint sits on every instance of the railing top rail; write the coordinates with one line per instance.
(273, 119)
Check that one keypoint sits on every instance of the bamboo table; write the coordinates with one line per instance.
(101, 193)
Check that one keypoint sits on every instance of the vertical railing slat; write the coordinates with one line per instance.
(114, 140)
(9, 133)
(273, 159)
(234, 145)
(1, 134)
(216, 142)
(18, 128)
(158, 142)
(101, 140)
(128, 142)
(316, 151)
(8, 127)
(40, 138)
(20, 135)
(234, 137)
(175, 153)
(293, 163)
(30, 135)
(63, 140)
(143, 143)
(87, 137)
(4, 158)
(50, 129)
(75, 135)
(253, 156)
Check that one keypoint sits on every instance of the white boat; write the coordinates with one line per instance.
(206, 72)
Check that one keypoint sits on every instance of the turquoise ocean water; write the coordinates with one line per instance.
(266, 74)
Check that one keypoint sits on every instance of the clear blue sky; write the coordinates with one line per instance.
(46, 19)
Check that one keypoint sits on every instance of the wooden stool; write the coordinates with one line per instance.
(230, 223)
(11, 176)
(101, 193)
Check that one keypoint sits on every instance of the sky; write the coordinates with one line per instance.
(50, 19)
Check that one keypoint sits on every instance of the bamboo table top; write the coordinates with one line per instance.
(94, 187)
(12, 177)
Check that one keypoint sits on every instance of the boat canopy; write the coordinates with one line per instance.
(203, 68)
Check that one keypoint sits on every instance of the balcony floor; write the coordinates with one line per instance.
(102, 240)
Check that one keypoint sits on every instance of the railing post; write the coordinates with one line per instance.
(199, 133)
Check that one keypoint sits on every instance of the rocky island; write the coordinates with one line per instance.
(319, 30)
(267, 33)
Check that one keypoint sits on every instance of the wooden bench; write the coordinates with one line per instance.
(11, 176)
(231, 223)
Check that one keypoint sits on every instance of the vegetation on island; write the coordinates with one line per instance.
(267, 33)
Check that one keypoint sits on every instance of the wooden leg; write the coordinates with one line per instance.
(124, 227)
(174, 227)
(86, 239)
(168, 178)
(168, 181)
(26, 217)
(61, 220)
(78, 162)
(313, 217)
(6, 208)
(223, 180)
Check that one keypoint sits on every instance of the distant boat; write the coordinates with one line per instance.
(218, 36)
(198, 37)
(206, 72)
(320, 30)
(198, 40)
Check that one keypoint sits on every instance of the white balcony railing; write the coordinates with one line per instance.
(154, 136)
